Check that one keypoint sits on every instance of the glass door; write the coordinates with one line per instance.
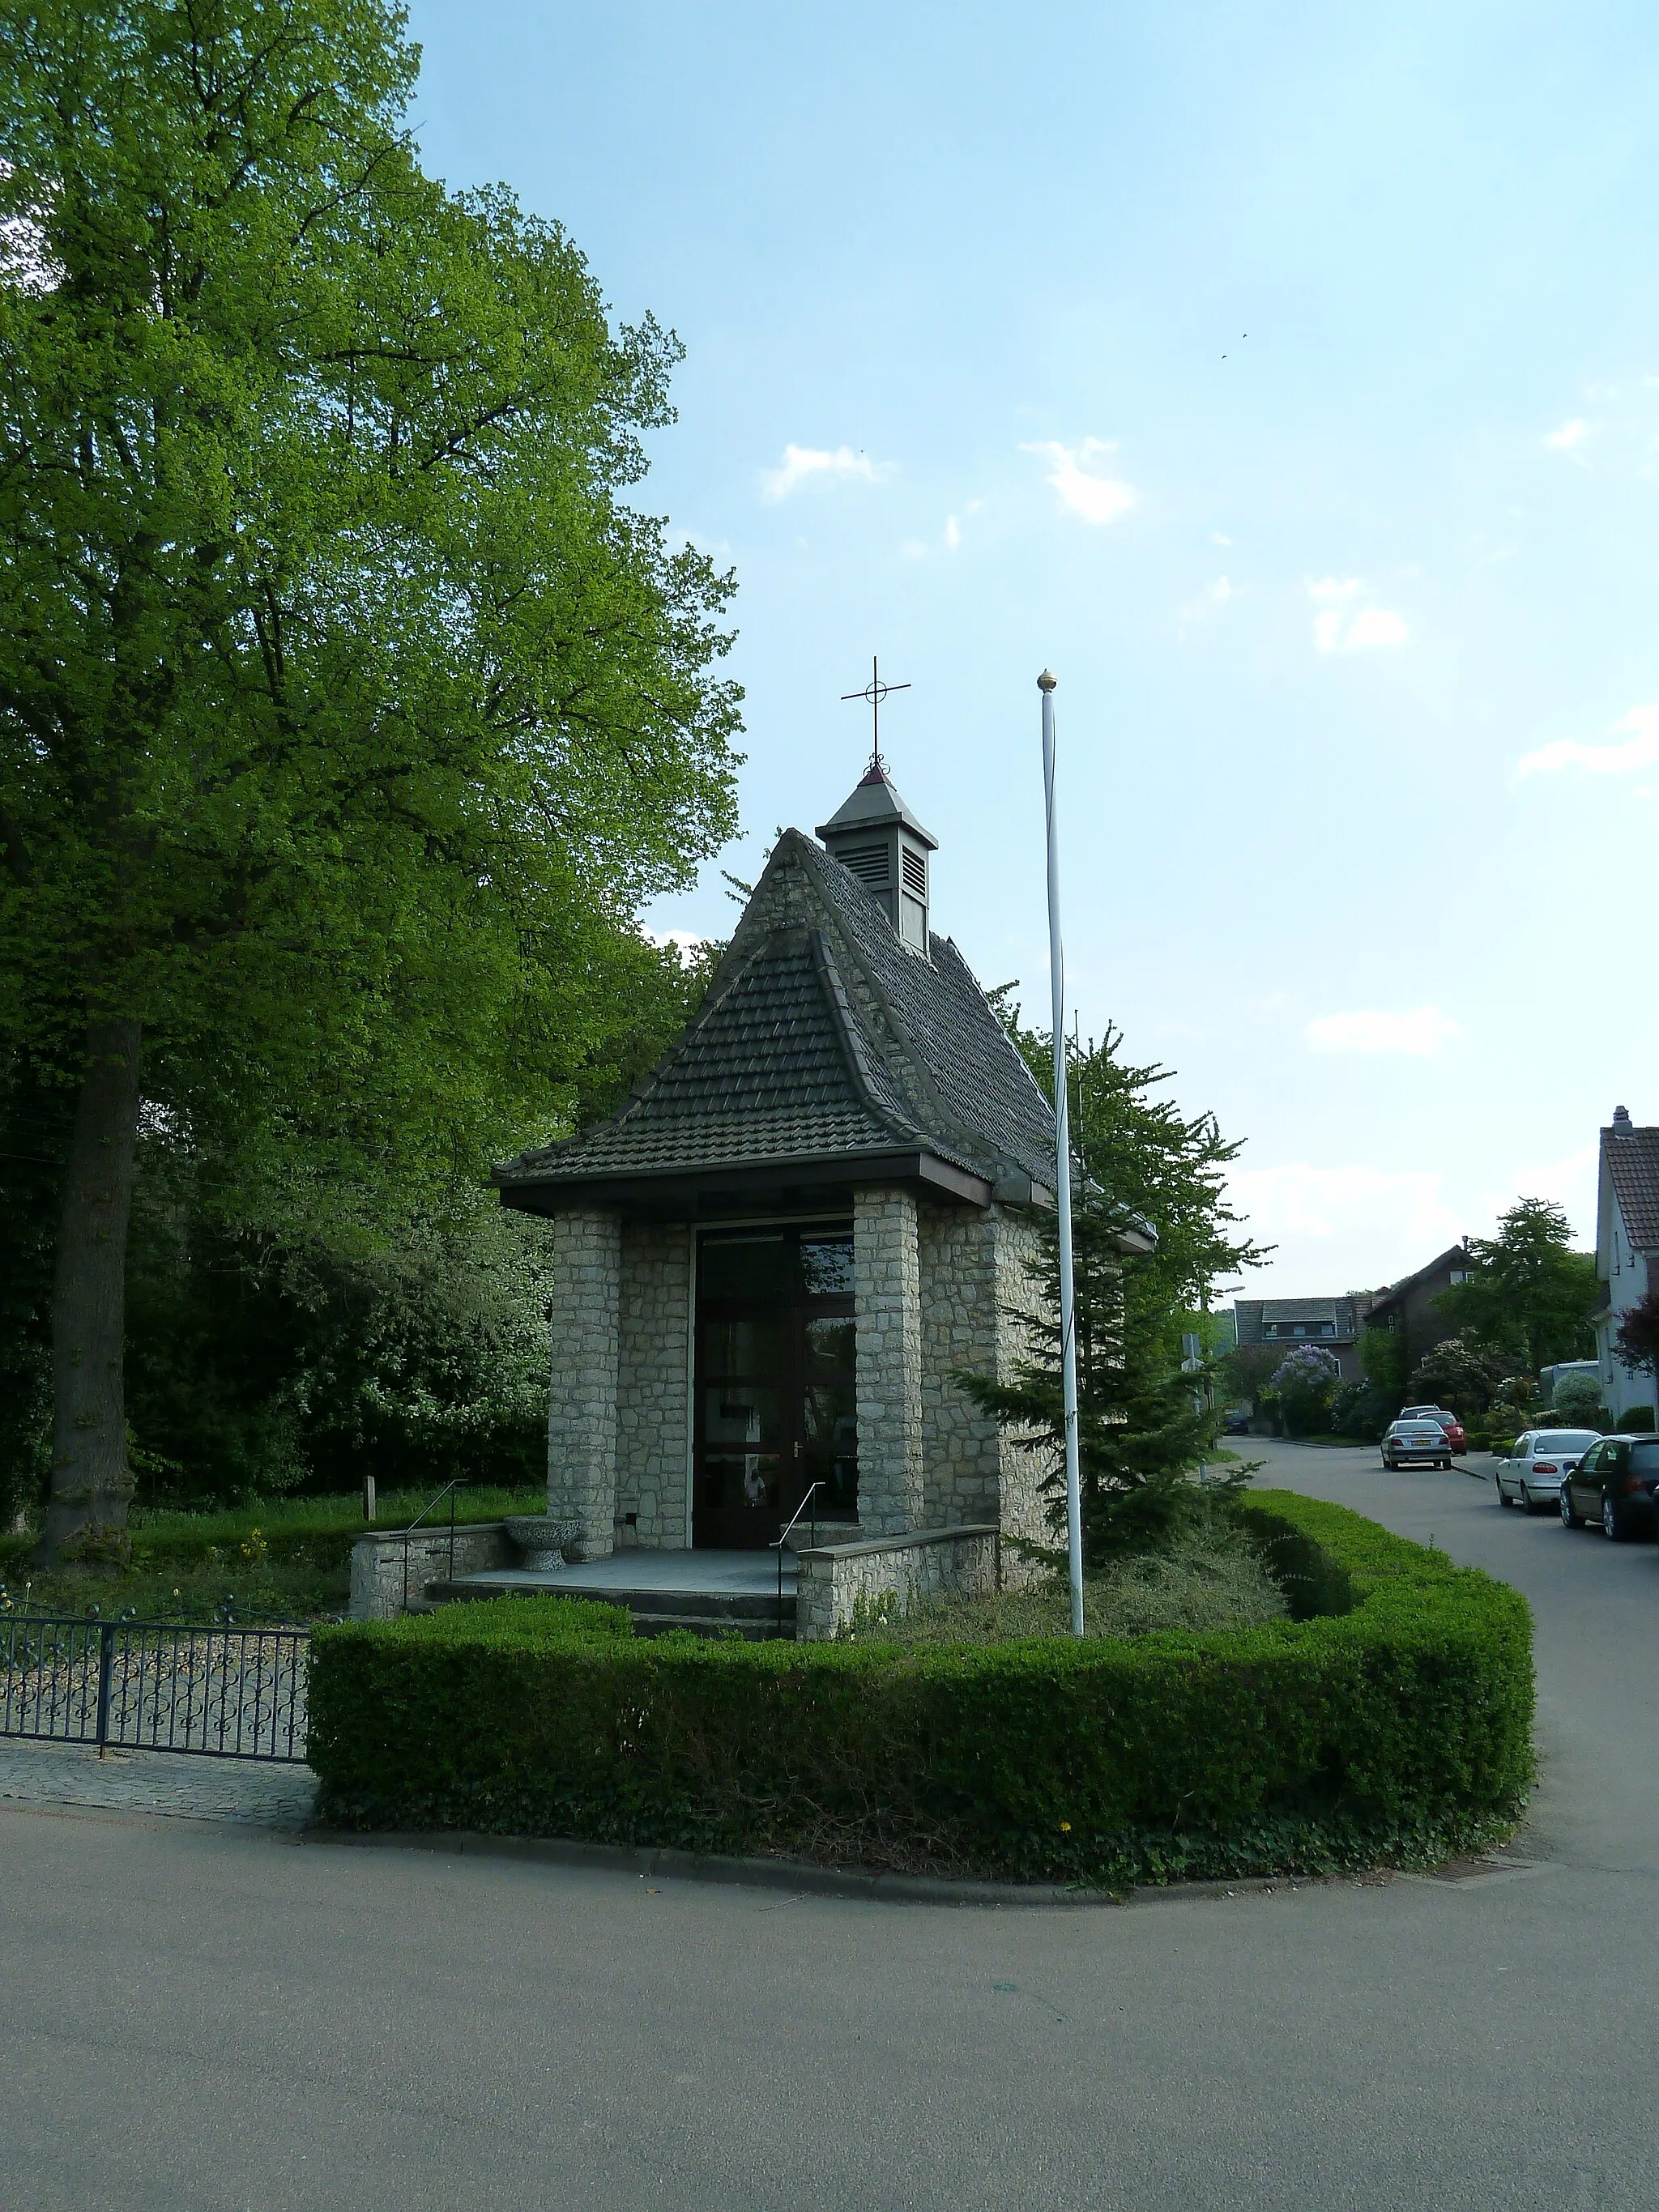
(776, 1409)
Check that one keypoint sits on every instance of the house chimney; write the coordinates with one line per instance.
(1622, 1125)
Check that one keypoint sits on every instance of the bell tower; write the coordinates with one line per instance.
(875, 834)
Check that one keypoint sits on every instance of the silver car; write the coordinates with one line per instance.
(1420, 1442)
(1531, 1476)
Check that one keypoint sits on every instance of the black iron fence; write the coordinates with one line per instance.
(233, 1692)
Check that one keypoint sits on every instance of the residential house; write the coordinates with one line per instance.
(1626, 1251)
(1408, 1307)
(1333, 1324)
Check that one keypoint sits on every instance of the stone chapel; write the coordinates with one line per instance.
(772, 1261)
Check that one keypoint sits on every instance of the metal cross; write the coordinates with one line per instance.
(875, 691)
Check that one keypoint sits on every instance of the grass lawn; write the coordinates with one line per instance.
(287, 1557)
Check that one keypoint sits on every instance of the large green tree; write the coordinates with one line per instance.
(1529, 1297)
(1145, 1417)
(347, 711)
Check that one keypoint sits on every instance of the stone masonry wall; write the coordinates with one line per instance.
(379, 1578)
(584, 1336)
(653, 1410)
(1024, 1512)
(959, 1323)
(887, 1288)
(836, 1582)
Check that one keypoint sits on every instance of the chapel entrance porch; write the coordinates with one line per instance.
(774, 1406)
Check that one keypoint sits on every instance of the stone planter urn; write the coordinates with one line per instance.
(542, 1541)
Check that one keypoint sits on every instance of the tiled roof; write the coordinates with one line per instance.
(1253, 1313)
(822, 1036)
(1453, 1256)
(1633, 1169)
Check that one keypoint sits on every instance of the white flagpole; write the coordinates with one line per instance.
(1063, 1163)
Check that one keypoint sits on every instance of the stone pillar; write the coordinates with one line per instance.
(653, 1405)
(584, 1335)
(887, 1285)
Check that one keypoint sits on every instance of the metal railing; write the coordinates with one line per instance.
(778, 1542)
(448, 1491)
(154, 1686)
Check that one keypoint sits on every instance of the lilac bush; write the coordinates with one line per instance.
(1303, 1382)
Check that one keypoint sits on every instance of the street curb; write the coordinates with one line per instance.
(794, 1875)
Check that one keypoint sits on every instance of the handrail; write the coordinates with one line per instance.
(460, 1482)
(779, 1541)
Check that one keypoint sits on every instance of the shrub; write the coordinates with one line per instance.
(1302, 1385)
(1636, 1418)
(1392, 1725)
(1210, 1573)
(1577, 1401)
(1362, 1411)
(1463, 1377)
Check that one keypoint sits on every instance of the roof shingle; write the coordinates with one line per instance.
(822, 1036)
(1633, 1169)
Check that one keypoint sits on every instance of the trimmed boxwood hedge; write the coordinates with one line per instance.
(1390, 1725)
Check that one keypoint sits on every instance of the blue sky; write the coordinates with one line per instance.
(1288, 380)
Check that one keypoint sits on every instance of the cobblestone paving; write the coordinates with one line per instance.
(156, 1781)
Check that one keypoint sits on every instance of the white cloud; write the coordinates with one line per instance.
(1420, 1032)
(685, 942)
(1098, 499)
(1209, 600)
(1569, 436)
(1639, 750)
(952, 539)
(1342, 1228)
(801, 463)
(1341, 626)
(1373, 626)
(1219, 537)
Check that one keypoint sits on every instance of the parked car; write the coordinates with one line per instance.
(1614, 1484)
(1453, 1429)
(1421, 1442)
(1425, 1413)
(1539, 1463)
(1238, 1423)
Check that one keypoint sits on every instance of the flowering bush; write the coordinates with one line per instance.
(1304, 1383)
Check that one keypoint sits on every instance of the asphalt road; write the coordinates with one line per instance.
(198, 2017)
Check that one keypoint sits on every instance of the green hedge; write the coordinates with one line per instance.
(1392, 1726)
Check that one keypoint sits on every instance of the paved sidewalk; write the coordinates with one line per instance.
(202, 1789)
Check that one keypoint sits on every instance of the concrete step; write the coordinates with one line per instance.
(753, 1614)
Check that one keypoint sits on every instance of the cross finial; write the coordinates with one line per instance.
(875, 691)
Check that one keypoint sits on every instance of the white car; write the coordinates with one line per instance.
(1531, 1476)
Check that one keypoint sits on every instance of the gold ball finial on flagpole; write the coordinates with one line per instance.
(1046, 681)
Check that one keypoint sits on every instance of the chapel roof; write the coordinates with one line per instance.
(824, 1042)
(1631, 1153)
(872, 803)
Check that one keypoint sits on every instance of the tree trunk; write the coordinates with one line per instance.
(91, 1481)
